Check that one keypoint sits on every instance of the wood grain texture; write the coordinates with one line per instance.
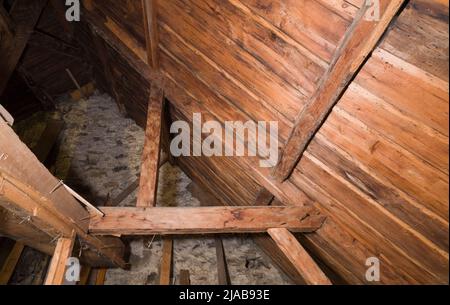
(165, 271)
(10, 263)
(150, 12)
(298, 256)
(24, 15)
(185, 277)
(360, 40)
(57, 269)
(32, 206)
(222, 268)
(148, 183)
(204, 220)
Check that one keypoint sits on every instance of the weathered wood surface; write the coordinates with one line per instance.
(24, 15)
(7, 269)
(359, 41)
(33, 207)
(148, 183)
(56, 274)
(165, 269)
(150, 12)
(222, 267)
(204, 220)
(298, 256)
(398, 173)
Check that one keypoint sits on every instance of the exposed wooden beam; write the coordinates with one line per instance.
(100, 276)
(148, 184)
(102, 51)
(298, 256)
(222, 268)
(165, 272)
(56, 271)
(39, 92)
(51, 43)
(360, 40)
(150, 11)
(35, 208)
(84, 275)
(60, 13)
(9, 265)
(185, 277)
(203, 220)
(25, 15)
(6, 25)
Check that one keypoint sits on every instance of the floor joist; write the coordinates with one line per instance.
(203, 220)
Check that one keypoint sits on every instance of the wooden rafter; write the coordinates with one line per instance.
(203, 220)
(60, 12)
(359, 41)
(148, 184)
(297, 255)
(35, 208)
(150, 8)
(24, 15)
(6, 24)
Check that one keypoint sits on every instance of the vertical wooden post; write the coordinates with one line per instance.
(57, 270)
(166, 262)
(148, 184)
(222, 269)
(10, 264)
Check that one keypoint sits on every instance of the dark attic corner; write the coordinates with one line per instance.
(224, 142)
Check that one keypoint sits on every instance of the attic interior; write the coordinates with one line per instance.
(358, 92)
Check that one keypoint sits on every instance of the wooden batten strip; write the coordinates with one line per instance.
(359, 41)
(297, 255)
(203, 220)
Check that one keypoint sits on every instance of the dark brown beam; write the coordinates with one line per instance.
(6, 24)
(60, 8)
(25, 15)
(148, 184)
(51, 43)
(203, 220)
(360, 40)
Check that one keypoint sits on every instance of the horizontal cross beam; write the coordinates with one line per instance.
(203, 220)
